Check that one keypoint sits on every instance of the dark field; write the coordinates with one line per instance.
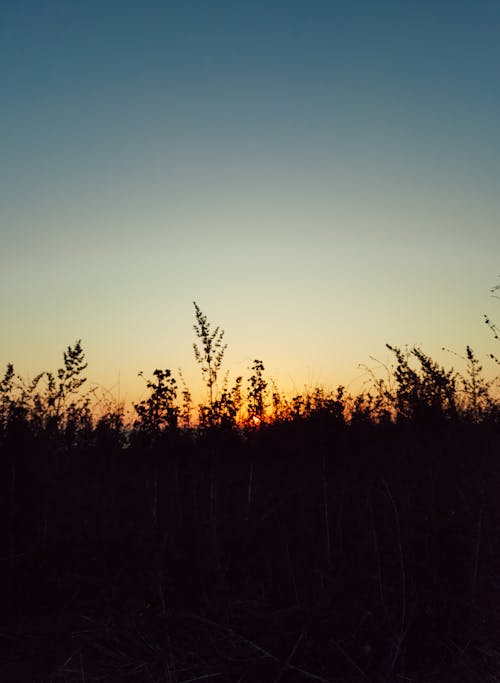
(305, 550)
(323, 537)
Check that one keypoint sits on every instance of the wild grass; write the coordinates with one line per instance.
(260, 537)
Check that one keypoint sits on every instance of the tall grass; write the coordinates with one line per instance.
(319, 536)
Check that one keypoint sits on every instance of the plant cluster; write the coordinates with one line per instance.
(320, 536)
(415, 389)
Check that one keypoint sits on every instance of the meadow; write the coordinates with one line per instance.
(255, 537)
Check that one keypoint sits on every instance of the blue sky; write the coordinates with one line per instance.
(320, 177)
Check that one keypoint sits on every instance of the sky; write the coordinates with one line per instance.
(320, 177)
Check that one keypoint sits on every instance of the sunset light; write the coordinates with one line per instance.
(250, 349)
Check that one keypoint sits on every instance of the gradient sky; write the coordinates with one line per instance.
(321, 177)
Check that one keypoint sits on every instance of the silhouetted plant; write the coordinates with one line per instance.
(279, 405)
(476, 388)
(30, 406)
(492, 325)
(211, 353)
(78, 422)
(159, 411)
(330, 405)
(108, 411)
(362, 409)
(187, 404)
(109, 430)
(286, 409)
(429, 391)
(256, 393)
(6, 395)
(416, 388)
(382, 392)
(61, 395)
(477, 401)
(395, 527)
(224, 410)
(297, 407)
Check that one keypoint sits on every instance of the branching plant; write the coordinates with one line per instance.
(427, 391)
(414, 388)
(187, 404)
(63, 389)
(256, 393)
(159, 411)
(225, 409)
(6, 398)
(492, 325)
(211, 351)
(477, 400)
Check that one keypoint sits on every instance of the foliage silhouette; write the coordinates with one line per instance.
(6, 400)
(348, 537)
(159, 411)
(492, 325)
(211, 353)
(428, 392)
(256, 393)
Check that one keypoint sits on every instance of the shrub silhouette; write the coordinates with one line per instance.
(352, 537)
(425, 392)
(211, 353)
(50, 403)
(224, 410)
(492, 325)
(159, 411)
(6, 399)
(69, 379)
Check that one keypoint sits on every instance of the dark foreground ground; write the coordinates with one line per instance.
(301, 552)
